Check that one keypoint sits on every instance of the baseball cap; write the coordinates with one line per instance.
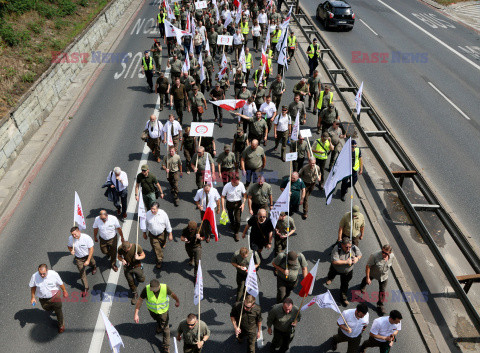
(227, 147)
(145, 167)
(355, 209)
(354, 143)
(244, 84)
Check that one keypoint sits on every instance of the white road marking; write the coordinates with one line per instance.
(463, 57)
(432, 20)
(107, 300)
(449, 101)
(368, 27)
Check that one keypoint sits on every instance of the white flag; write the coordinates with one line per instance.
(324, 301)
(283, 57)
(112, 334)
(198, 295)
(207, 173)
(286, 21)
(191, 50)
(217, 12)
(78, 215)
(223, 67)
(242, 60)
(186, 64)
(342, 169)
(280, 206)
(172, 31)
(192, 21)
(228, 19)
(202, 68)
(251, 282)
(267, 39)
(142, 215)
(239, 14)
(261, 74)
(358, 99)
(296, 127)
(170, 12)
(207, 46)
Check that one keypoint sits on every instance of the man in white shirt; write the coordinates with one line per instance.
(158, 225)
(263, 21)
(172, 129)
(46, 285)
(237, 43)
(80, 245)
(107, 227)
(154, 129)
(207, 197)
(356, 322)
(236, 195)
(248, 111)
(383, 332)
(282, 128)
(118, 181)
(269, 111)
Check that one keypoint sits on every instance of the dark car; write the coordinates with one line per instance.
(336, 14)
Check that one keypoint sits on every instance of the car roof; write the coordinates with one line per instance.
(339, 3)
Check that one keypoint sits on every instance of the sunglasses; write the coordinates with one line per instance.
(191, 325)
(262, 216)
(385, 253)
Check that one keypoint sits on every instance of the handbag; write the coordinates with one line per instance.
(200, 110)
(144, 136)
(224, 218)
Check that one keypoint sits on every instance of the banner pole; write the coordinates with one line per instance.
(199, 144)
(351, 200)
(288, 219)
(243, 303)
(301, 305)
(311, 155)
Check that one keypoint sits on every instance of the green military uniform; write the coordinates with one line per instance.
(253, 160)
(244, 94)
(237, 259)
(196, 101)
(286, 285)
(201, 167)
(209, 66)
(314, 91)
(179, 94)
(327, 117)
(238, 79)
(162, 83)
(358, 224)
(157, 56)
(193, 246)
(260, 97)
(345, 271)
(309, 177)
(188, 149)
(212, 41)
(207, 143)
(282, 225)
(283, 331)
(188, 81)
(175, 68)
(277, 88)
(148, 188)
(300, 88)
(173, 164)
(257, 129)
(324, 100)
(294, 108)
(133, 269)
(249, 324)
(260, 196)
(227, 162)
(239, 144)
(301, 147)
(190, 335)
(296, 188)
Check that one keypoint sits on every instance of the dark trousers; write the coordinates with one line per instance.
(298, 164)
(282, 137)
(217, 111)
(163, 99)
(149, 76)
(345, 278)
(353, 343)
(154, 145)
(280, 245)
(158, 243)
(251, 339)
(346, 183)
(109, 248)
(321, 163)
(314, 97)
(276, 99)
(191, 348)
(256, 41)
(199, 178)
(284, 288)
(80, 262)
(312, 65)
(226, 175)
(252, 175)
(240, 285)
(194, 254)
(234, 214)
(132, 274)
(173, 180)
(308, 190)
(256, 207)
(372, 342)
(281, 341)
(161, 28)
(162, 326)
(121, 203)
(196, 115)
(53, 304)
(179, 106)
(382, 289)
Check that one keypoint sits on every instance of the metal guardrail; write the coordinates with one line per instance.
(307, 27)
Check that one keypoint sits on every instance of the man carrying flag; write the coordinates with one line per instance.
(351, 325)
(195, 333)
(157, 296)
(283, 317)
(240, 259)
(81, 245)
(250, 325)
(287, 276)
(356, 166)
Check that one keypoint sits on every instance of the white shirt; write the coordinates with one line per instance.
(203, 32)
(46, 287)
(234, 193)
(121, 184)
(272, 29)
(213, 196)
(262, 18)
(158, 223)
(282, 122)
(155, 130)
(248, 110)
(237, 39)
(355, 324)
(257, 31)
(225, 14)
(108, 229)
(176, 127)
(383, 327)
(269, 109)
(81, 245)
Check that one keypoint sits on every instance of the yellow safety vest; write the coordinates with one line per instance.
(244, 27)
(356, 165)
(161, 19)
(320, 101)
(150, 66)
(291, 42)
(312, 51)
(248, 61)
(256, 76)
(158, 305)
(323, 148)
(176, 10)
(276, 36)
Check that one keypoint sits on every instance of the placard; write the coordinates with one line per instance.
(291, 157)
(199, 5)
(224, 40)
(201, 129)
(306, 133)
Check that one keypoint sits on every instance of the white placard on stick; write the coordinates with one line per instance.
(202, 129)
(224, 40)
(291, 157)
(306, 133)
(201, 5)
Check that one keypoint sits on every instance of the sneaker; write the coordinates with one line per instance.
(345, 302)
(381, 310)
(343, 198)
(334, 345)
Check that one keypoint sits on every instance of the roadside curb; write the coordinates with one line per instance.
(434, 4)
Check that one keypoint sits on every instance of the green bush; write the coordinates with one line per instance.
(9, 35)
(46, 10)
(66, 7)
(35, 27)
(28, 76)
(20, 6)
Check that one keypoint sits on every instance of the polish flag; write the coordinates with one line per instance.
(78, 215)
(230, 104)
(308, 282)
(236, 3)
(207, 174)
(209, 216)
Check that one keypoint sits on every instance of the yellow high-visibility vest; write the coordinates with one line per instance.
(323, 148)
(248, 61)
(158, 305)
(312, 51)
(356, 165)
(291, 41)
(276, 36)
(244, 26)
(320, 100)
(161, 19)
(149, 66)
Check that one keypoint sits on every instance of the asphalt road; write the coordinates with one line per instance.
(105, 133)
(438, 137)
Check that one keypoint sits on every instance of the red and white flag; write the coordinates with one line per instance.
(223, 67)
(308, 282)
(324, 301)
(209, 216)
(170, 14)
(186, 64)
(207, 174)
(238, 15)
(78, 215)
(230, 104)
(242, 59)
(236, 3)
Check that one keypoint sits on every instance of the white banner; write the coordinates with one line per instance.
(142, 215)
(280, 206)
(201, 129)
(296, 127)
(324, 301)
(291, 157)
(358, 99)
(224, 40)
(113, 336)
(199, 5)
(306, 133)
(242, 60)
(341, 169)
(251, 281)
(198, 285)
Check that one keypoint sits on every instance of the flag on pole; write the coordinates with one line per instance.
(191, 49)
(175, 344)
(358, 99)
(342, 169)
(223, 67)
(78, 215)
(170, 12)
(209, 216)
(283, 57)
(187, 24)
(207, 175)
(192, 23)
(186, 64)
(280, 206)
(261, 74)
(113, 336)
(237, 3)
(228, 19)
(242, 60)
(142, 215)
(202, 68)
(308, 282)
(286, 21)
(296, 127)
(207, 46)
(270, 4)
(238, 15)
(251, 282)
(229, 104)
(198, 295)
(217, 13)
(267, 39)
(324, 301)
(172, 31)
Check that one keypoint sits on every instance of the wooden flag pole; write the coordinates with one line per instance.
(288, 219)
(243, 303)
(345, 321)
(73, 238)
(311, 155)
(199, 313)
(301, 305)
(199, 143)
